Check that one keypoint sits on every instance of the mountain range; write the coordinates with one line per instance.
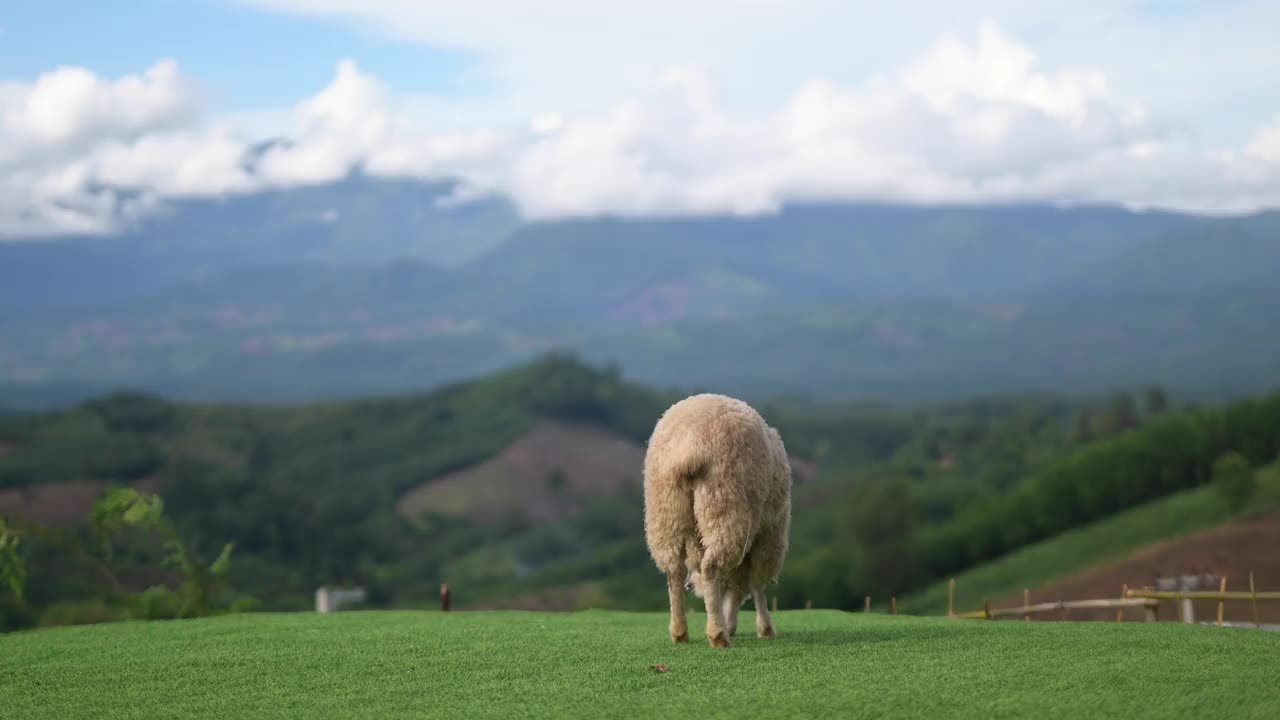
(371, 285)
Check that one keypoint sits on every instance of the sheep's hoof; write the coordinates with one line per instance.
(682, 637)
(766, 633)
(719, 640)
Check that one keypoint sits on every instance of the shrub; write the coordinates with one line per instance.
(1233, 480)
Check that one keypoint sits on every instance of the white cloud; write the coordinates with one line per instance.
(353, 123)
(977, 116)
(68, 106)
(80, 153)
(1265, 144)
(183, 163)
(1183, 59)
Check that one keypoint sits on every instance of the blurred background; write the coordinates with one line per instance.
(390, 295)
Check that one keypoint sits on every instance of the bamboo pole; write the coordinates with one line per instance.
(1254, 600)
(1203, 595)
(1222, 587)
(1059, 605)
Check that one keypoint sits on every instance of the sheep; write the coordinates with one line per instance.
(717, 510)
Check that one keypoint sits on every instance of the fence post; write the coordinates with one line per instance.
(1124, 590)
(893, 605)
(951, 598)
(808, 604)
(444, 597)
(1254, 600)
(1222, 587)
(1026, 604)
(1188, 611)
(866, 604)
(986, 609)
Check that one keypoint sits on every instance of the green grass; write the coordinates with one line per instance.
(596, 664)
(1074, 551)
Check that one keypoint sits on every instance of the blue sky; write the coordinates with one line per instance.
(256, 54)
(247, 57)
(666, 106)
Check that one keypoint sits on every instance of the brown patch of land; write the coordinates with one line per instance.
(657, 305)
(544, 475)
(56, 504)
(1231, 550)
(61, 504)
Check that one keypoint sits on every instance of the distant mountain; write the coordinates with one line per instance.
(355, 222)
(1194, 257)
(830, 252)
(369, 285)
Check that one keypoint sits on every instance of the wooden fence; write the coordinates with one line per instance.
(330, 599)
(1146, 598)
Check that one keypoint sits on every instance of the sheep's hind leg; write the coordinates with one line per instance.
(679, 620)
(737, 588)
(714, 594)
(764, 621)
(766, 562)
(732, 601)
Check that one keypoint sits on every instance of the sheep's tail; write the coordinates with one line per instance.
(671, 530)
(724, 510)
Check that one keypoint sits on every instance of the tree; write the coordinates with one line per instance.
(1123, 411)
(883, 515)
(13, 571)
(1084, 426)
(1156, 400)
(118, 511)
(1233, 480)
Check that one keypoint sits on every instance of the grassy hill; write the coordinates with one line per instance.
(1106, 541)
(600, 665)
(523, 489)
(384, 489)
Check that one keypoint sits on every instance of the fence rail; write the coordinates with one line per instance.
(1202, 595)
(1147, 598)
(988, 613)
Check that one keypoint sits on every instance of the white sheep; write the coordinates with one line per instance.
(717, 510)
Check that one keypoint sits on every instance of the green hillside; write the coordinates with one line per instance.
(602, 665)
(312, 494)
(523, 490)
(1111, 539)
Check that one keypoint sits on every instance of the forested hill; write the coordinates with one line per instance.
(523, 488)
(368, 286)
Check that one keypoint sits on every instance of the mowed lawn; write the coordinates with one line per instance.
(597, 665)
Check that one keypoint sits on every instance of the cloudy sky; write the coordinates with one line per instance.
(662, 106)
